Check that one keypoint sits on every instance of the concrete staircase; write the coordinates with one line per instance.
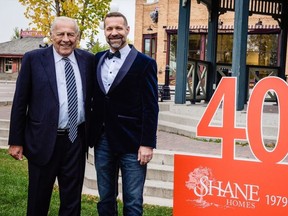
(183, 120)
(158, 188)
(4, 129)
(7, 89)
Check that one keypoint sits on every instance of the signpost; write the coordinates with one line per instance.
(228, 186)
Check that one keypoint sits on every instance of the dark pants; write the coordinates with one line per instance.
(133, 178)
(68, 165)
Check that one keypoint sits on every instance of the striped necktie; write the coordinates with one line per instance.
(72, 99)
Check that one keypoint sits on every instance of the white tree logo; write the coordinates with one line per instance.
(198, 179)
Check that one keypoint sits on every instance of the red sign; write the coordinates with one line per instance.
(31, 33)
(227, 186)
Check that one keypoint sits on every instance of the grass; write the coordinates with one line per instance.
(13, 193)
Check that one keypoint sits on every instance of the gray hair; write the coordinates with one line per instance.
(64, 19)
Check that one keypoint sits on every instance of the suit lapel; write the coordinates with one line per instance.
(125, 68)
(122, 72)
(47, 60)
(99, 78)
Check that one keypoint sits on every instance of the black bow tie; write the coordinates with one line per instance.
(117, 54)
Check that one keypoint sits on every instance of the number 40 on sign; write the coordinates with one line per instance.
(227, 186)
(228, 132)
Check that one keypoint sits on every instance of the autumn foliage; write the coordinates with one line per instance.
(88, 13)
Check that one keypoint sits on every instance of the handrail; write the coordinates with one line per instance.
(197, 80)
(254, 74)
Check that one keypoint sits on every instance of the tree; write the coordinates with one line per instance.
(97, 47)
(88, 13)
(16, 34)
(199, 176)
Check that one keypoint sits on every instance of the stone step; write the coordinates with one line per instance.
(152, 188)
(163, 157)
(8, 82)
(164, 106)
(268, 133)
(160, 157)
(4, 123)
(197, 111)
(8, 89)
(178, 119)
(191, 118)
(160, 168)
(4, 132)
(171, 121)
(7, 94)
(3, 142)
(157, 172)
(146, 199)
(5, 101)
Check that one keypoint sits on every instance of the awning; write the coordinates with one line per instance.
(229, 28)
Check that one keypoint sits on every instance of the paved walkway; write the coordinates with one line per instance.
(173, 142)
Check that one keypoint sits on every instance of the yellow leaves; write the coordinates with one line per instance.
(88, 13)
(69, 8)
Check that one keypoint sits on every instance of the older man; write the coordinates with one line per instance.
(48, 116)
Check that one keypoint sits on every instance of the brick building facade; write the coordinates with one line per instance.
(11, 52)
(160, 32)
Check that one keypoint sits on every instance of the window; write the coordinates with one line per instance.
(194, 47)
(261, 49)
(149, 46)
(224, 48)
(194, 52)
(8, 65)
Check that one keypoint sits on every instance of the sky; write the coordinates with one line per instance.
(12, 16)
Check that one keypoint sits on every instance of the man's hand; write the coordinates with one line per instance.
(16, 152)
(145, 154)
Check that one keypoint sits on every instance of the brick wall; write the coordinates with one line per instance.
(168, 11)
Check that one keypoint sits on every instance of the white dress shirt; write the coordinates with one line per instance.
(110, 67)
(62, 90)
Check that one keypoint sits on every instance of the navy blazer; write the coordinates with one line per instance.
(130, 109)
(35, 108)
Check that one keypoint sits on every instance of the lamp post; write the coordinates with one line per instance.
(45, 41)
(166, 88)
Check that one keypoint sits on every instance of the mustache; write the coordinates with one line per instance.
(116, 37)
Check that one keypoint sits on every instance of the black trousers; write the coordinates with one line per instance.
(68, 165)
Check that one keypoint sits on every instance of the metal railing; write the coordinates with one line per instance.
(255, 73)
(197, 80)
(198, 73)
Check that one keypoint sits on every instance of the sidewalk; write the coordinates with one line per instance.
(197, 146)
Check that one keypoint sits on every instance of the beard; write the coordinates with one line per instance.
(116, 44)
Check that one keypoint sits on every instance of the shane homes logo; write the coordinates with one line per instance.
(206, 187)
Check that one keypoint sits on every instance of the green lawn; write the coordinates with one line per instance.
(13, 192)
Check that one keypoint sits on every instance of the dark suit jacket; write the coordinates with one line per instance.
(35, 108)
(129, 110)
